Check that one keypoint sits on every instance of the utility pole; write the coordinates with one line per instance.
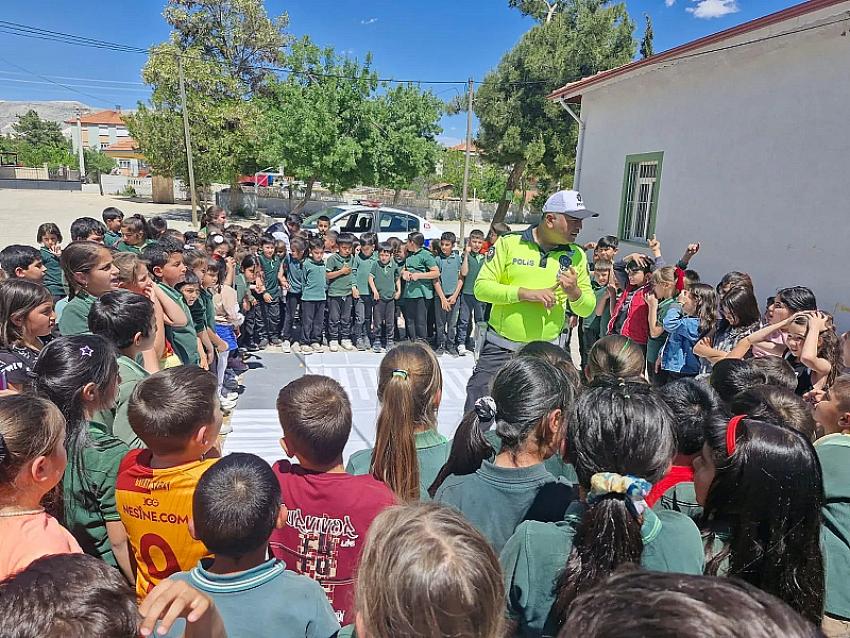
(188, 141)
(80, 154)
(470, 85)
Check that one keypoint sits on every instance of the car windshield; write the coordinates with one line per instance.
(331, 212)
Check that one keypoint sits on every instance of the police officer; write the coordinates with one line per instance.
(531, 278)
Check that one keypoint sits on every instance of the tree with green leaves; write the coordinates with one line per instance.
(541, 10)
(486, 181)
(404, 124)
(97, 163)
(646, 48)
(316, 120)
(227, 49)
(33, 130)
(519, 126)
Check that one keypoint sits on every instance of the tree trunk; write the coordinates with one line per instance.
(235, 195)
(307, 193)
(513, 181)
(396, 196)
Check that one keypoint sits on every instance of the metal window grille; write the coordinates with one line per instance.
(641, 180)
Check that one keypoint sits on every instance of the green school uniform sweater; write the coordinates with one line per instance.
(598, 326)
(341, 286)
(475, 262)
(420, 261)
(682, 497)
(131, 374)
(121, 247)
(449, 272)
(88, 491)
(110, 238)
(271, 267)
(557, 466)
(315, 281)
(386, 277)
(54, 280)
(362, 270)
(432, 452)
(75, 316)
(536, 554)
(183, 340)
(497, 499)
(833, 452)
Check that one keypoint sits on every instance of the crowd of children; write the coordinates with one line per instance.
(692, 477)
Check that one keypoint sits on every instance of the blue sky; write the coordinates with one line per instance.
(414, 39)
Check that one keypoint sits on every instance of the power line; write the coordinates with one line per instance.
(64, 86)
(65, 77)
(26, 31)
(79, 86)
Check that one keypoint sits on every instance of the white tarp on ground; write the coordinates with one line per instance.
(257, 430)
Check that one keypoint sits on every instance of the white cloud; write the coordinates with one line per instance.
(669, 3)
(713, 8)
(369, 21)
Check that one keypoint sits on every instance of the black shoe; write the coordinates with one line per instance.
(453, 351)
(276, 342)
(253, 347)
(440, 351)
(264, 343)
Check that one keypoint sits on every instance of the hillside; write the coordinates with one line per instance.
(56, 111)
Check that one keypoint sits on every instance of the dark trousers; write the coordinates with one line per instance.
(446, 321)
(363, 319)
(470, 308)
(339, 318)
(293, 304)
(312, 321)
(271, 318)
(252, 327)
(383, 316)
(491, 359)
(416, 318)
(282, 305)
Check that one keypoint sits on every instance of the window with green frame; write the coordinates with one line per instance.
(639, 203)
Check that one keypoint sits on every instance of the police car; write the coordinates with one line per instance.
(364, 217)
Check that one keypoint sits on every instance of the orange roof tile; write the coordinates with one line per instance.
(462, 147)
(99, 117)
(128, 144)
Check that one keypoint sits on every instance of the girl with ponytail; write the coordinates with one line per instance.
(409, 451)
(620, 438)
(496, 491)
(80, 376)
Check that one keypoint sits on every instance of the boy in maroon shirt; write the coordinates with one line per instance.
(328, 511)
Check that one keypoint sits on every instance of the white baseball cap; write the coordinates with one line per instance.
(568, 202)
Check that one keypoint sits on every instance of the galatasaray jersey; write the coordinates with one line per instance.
(155, 506)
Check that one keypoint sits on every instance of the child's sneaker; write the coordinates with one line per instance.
(296, 347)
(226, 428)
(461, 350)
(230, 396)
(306, 349)
(377, 347)
(227, 404)
(264, 343)
(334, 346)
(362, 345)
(347, 345)
(286, 347)
(252, 347)
(276, 341)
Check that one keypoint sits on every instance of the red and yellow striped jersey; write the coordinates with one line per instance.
(155, 506)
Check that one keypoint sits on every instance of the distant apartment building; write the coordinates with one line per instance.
(106, 131)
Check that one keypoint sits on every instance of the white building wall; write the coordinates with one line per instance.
(756, 166)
